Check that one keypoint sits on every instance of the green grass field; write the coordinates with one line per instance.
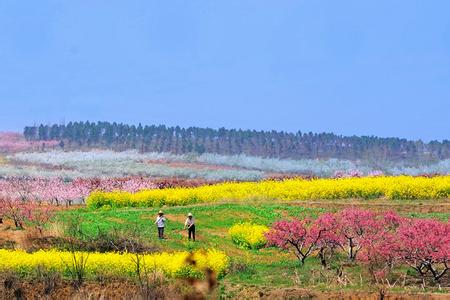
(267, 267)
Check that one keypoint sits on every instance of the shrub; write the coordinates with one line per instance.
(248, 235)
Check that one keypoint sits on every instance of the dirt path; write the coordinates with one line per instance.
(419, 206)
(59, 289)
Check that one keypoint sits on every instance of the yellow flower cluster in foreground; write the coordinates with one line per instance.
(114, 264)
(248, 235)
(394, 187)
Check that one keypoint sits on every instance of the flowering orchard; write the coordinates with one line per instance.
(11, 142)
(89, 164)
(95, 162)
(34, 213)
(61, 192)
(34, 200)
(425, 246)
(379, 240)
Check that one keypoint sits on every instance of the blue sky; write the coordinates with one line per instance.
(349, 67)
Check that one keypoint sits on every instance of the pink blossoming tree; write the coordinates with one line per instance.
(425, 246)
(302, 236)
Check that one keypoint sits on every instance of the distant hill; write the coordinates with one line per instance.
(178, 140)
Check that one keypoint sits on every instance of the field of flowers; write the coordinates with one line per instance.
(124, 191)
(109, 164)
(248, 235)
(11, 142)
(114, 264)
(401, 187)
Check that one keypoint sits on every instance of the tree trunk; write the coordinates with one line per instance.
(322, 257)
(350, 250)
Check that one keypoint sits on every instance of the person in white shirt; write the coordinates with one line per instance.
(160, 223)
(190, 225)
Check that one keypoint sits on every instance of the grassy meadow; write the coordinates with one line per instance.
(266, 268)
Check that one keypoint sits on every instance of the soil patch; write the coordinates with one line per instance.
(251, 292)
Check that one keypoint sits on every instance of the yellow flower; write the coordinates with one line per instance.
(248, 235)
(393, 187)
(114, 264)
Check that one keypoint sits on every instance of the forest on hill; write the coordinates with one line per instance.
(278, 144)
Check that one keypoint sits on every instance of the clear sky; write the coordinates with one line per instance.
(349, 67)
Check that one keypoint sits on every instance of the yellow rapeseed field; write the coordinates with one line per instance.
(390, 187)
(248, 235)
(113, 264)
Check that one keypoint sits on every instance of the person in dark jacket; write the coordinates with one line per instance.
(190, 225)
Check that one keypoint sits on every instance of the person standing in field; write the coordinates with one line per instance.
(190, 225)
(160, 223)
